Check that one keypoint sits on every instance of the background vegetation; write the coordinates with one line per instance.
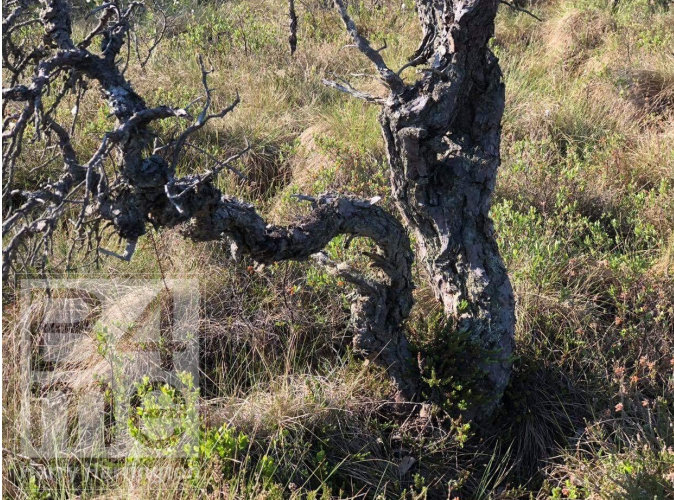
(584, 211)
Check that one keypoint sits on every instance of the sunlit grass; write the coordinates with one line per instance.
(583, 211)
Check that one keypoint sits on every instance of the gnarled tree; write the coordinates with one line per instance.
(130, 180)
(442, 134)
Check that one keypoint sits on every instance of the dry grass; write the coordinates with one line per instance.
(584, 214)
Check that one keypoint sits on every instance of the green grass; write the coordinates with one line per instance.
(584, 214)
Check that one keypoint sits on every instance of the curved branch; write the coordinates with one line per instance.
(379, 308)
(451, 116)
(145, 188)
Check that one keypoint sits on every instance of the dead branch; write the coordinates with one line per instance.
(516, 7)
(392, 80)
(127, 182)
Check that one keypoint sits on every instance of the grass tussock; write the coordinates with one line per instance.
(584, 212)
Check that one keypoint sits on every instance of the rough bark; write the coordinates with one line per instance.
(144, 187)
(442, 136)
(292, 25)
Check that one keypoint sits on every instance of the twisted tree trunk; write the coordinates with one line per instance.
(443, 136)
(142, 185)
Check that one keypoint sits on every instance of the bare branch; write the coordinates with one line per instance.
(203, 117)
(127, 182)
(108, 12)
(391, 79)
(520, 9)
(225, 164)
(348, 89)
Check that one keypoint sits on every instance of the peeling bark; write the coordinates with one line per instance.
(443, 136)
